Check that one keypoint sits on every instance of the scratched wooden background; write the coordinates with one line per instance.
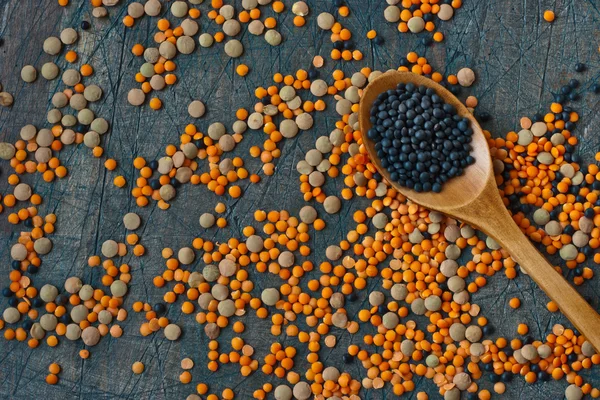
(519, 59)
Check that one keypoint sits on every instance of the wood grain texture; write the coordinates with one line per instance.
(519, 59)
(473, 198)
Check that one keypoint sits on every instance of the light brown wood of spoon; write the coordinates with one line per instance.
(473, 198)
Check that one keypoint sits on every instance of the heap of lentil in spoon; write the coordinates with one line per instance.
(420, 139)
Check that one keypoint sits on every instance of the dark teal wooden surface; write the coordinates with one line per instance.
(520, 61)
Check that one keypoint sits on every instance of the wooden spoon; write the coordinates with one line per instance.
(473, 198)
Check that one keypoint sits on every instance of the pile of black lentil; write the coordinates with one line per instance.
(420, 139)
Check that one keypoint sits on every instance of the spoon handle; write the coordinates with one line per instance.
(571, 304)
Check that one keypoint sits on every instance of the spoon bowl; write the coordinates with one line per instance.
(457, 192)
(473, 198)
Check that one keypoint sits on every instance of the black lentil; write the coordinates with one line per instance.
(426, 41)
(574, 83)
(455, 89)
(487, 330)
(155, 184)
(61, 300)
(175, 183)
(420, 140)
(484, 116)
(506, 376)
(160, 308)
(472, 396)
